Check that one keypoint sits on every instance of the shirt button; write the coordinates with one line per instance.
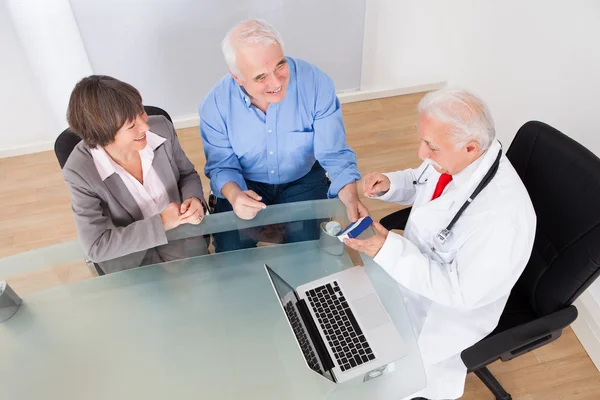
(270, 131)
(271, 152)
(272, 171)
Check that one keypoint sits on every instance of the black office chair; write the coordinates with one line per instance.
(67, 140)
(563, 181)
(396, 220)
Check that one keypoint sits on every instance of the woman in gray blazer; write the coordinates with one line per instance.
(129, 179)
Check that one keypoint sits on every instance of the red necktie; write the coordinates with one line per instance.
(442, 183)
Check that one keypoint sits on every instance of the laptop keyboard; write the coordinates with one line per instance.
(307, 350)
(345, 337)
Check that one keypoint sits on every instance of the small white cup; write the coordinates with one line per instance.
(328, 240)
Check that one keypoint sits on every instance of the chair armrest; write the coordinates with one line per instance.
(396, 220)
(518, 340)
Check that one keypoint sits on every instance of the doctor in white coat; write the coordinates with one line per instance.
(455, 288)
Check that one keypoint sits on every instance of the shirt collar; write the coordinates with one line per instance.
(473, 170)
(153, 141)
(106, 166)
(245, 97)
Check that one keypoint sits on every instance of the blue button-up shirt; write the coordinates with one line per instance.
(281, 146)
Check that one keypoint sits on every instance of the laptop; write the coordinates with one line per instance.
(340, 325)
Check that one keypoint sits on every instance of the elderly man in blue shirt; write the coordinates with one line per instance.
(272, 128)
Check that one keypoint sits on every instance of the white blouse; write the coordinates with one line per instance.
(151, 197)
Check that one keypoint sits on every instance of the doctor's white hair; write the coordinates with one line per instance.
(466, 113)
(249, 32)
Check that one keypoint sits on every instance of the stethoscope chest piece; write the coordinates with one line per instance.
(443, 235)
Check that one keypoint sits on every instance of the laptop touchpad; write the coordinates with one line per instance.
(369, 312)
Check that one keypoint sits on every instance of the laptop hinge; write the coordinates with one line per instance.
(315, 335)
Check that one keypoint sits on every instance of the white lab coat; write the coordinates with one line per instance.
(455, 291)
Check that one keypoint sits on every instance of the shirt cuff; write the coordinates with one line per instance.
(223, 177)
(347, 176)
(393, 187)
(388, 255)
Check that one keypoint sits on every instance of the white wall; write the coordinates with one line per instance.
(26, 118)
(170, 50)
(529, 60)
(537, 59)
(44, 58)
(51, 41)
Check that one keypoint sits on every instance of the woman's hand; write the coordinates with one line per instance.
(171, 217)
(192, 211)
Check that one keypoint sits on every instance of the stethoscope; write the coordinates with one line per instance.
(418, 181)
(447, 232)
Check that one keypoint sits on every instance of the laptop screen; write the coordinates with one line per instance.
(284, 291)
(288, 298)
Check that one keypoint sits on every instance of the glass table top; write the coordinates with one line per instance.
(202, 327)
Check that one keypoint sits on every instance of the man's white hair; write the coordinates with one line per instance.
(466, 113)
(249, 32)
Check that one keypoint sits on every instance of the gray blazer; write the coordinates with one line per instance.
(109, 222)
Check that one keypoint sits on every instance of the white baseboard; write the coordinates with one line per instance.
(587, 327)
(27, 149)
(193, 120)
(186, 121)
(362, 95)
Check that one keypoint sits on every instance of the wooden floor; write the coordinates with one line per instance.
(35, 212)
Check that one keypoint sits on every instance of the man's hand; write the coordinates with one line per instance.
(170, 216)
(375, 184)
(354, 207)
(247, 204)
(191, 211)
(372, 245)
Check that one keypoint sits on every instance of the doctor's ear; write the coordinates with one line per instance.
(472, 147)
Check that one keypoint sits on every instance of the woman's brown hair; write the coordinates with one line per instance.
(99, 106)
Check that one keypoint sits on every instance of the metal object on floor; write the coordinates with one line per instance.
(9, 301)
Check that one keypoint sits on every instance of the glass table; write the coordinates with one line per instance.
(204, 327)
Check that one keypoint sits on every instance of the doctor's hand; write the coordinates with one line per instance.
(375, 184)
(354, 207)
(372, 245)
(191, 211)
(247, 204)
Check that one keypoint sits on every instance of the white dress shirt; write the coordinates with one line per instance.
(151, 196)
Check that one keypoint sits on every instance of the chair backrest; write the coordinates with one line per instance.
(67, 140)
(152, 110)
(563, 181)
(64, 145)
